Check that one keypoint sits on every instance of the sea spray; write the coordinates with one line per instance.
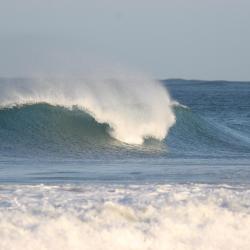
(134, 106)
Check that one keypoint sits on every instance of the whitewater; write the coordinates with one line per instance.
(134, 106)
(124, 162)
(144, 217)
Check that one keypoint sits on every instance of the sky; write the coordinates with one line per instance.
(192, 39)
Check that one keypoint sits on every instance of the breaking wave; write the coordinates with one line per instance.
(134, 107)
(78, 116)
(46, 128)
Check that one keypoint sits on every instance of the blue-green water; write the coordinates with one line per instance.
(153, 173)
(209, 143)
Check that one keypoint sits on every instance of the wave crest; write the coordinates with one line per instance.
(134, 106)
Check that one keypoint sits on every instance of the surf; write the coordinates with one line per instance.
(122, 116)
(143, 217)
(134, 106)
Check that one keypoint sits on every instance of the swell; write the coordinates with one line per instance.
(134, 107)
(200, 134)
(43, 127)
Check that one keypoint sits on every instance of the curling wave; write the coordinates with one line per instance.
(56, 128)
(134, 107)
(90, 117)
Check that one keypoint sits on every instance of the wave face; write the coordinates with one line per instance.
(201, 135)
(209, 217)
(216, 119)
(34, 129)
(80, 118)
(134, 107)
(121, 119)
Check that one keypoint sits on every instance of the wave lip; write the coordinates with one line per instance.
(134, 107)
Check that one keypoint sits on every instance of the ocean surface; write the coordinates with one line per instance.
(125, 163)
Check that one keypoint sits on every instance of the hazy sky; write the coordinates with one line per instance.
(205, 39)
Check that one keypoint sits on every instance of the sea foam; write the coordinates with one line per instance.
(135, 107)
(142, 217)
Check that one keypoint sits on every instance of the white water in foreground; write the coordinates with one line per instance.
(134, 106)
(138, 217)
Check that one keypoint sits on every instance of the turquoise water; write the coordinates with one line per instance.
(209, 143)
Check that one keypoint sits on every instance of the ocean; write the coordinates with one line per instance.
(124, 163)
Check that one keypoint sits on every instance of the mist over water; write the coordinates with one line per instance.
(134, 107)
